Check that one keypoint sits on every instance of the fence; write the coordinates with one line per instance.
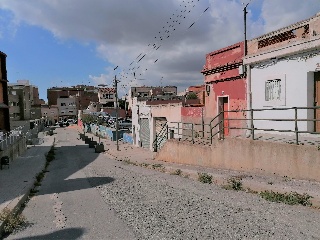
(9, 138)
(244, 123)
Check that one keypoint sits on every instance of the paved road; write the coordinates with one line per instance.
(88, 196)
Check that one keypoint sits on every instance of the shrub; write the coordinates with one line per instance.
(234, 183)
(292, 198)
(12, 221)
(204, 178)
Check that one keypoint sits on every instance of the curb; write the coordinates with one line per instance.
(15, 204)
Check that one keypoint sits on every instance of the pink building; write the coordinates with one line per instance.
(225, 88)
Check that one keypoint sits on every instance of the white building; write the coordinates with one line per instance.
(152, 119)
(67, 108)
(284, 72)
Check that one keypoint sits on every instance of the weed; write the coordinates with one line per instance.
(145, 165)
(33, 192)
(270, 183)
(204, 178)
(157, 165)
(37, 184)
(234, 183)
(12, 220)
(249, 190)
(128, 161)
(292, 198)
(177, 172)
(40, 176)
(286, 179)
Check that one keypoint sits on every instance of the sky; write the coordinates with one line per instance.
(63, 43)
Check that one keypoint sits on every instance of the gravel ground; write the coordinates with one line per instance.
(162, 206)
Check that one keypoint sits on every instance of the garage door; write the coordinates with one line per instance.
(144, 133)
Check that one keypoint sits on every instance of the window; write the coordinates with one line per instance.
(273, 90)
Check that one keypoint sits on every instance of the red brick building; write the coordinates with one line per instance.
(84, 94)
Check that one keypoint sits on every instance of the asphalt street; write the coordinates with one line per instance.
(86, 195)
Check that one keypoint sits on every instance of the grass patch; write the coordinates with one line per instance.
(128, 161)
(234, 183)
(204, 178)
(292, 198)
(12, 221)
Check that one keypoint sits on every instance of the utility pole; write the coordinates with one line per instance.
(116, 95)
(245, 29)
(246, 71)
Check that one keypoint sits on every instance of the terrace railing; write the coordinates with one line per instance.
(247, 123)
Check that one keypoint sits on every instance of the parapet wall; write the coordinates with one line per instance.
(15, 150)
(260, 157)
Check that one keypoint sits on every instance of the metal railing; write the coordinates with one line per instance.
(9, 138)
(6, 139)
(161, 137)
(246, 123)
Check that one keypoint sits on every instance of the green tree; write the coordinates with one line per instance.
(192, 95)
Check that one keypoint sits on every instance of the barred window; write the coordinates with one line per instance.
(273, 90)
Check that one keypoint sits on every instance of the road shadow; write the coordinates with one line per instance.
(69, 233)
(70, 185)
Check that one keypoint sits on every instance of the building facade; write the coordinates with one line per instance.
(24, 101)
(106, 96)
(284, 73)
(148, 92)
(50, 114)
(67, 108)
(84, 95)
(225, 88)
(4, 100)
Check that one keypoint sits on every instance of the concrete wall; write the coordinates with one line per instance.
(14, 150)
(297, 90)
(294, 161)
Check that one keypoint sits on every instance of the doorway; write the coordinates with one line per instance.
(223, 106)
(317, 101)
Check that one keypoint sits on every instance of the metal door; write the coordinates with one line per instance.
(161, 132)
(317, 100)
(144, 133)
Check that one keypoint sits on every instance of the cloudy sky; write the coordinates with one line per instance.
(153, 42)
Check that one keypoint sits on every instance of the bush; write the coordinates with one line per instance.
(13, 221)
(204, 178)
(292, 198)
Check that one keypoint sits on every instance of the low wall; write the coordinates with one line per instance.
(295, 161)
(127, 137)
(14, 150)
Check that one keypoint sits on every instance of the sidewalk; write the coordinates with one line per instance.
(250, 182)
(17, 180)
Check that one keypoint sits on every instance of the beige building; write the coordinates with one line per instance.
(67, 108)
(50, 113)
(150, 92)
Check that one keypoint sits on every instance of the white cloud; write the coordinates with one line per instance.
(123, 30)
